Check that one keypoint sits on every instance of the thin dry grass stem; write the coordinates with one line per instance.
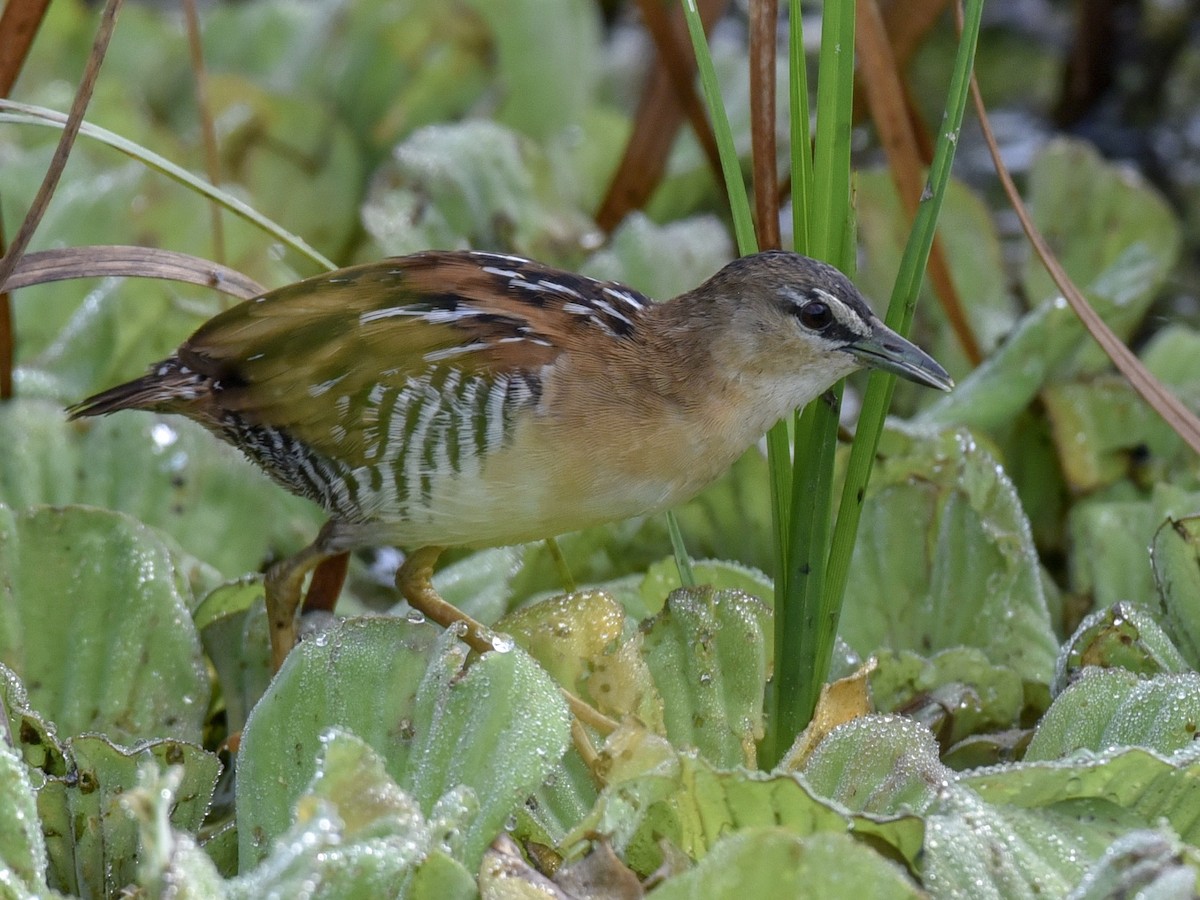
(764, 18)
(212, 157)
(1161, 399)
(83, 95)
(882, 82)
(132, 262)
(19, 23)
(7, 341)
(587, 751)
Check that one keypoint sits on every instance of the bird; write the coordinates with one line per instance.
(473, 399)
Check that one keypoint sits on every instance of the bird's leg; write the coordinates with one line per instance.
(414, 580)
(328, 578)
(283, 584)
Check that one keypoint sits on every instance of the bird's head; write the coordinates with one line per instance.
(801, 321)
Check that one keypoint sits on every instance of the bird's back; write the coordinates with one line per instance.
(389, 392)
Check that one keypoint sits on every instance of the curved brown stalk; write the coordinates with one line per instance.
(133, 262)
(1154, 392)
(83, 95)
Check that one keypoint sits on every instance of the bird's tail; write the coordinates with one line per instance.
(165, 388)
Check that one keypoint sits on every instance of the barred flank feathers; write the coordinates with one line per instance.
(167, 386)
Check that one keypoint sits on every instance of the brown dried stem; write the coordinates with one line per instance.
(83, 95)
(212, 158)
(1154, 392)
(133, 262)
(764, 16)
(19, 25)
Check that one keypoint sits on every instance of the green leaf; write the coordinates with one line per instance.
(1118, 240)
(968, 235)
(956, 693)
(1114, 708)
(1105, 432)
(357, 834)
(168, 472)
(1122, 635)
(694, 673)
(1142, 782)
(1147, 864)
(978, 849)
(22, 848)
(1112, 532)
(580, 640)
(662, 577)
(884, 765)
(1175, 557)
(96, 623)
(473, 183)
(772, 862)
(487, 735)
(547, 57)
(92, 841)
(945, 558)
(169, 861)
(661, 261)
(233, 629)
(273, 140)
(1113, 233)
(560, 803)
(658, 794)
(707, 652)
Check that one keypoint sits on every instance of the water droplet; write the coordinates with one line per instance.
(163, 435)
(415, 617)
(502, 643)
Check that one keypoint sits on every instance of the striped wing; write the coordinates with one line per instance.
(439, 350)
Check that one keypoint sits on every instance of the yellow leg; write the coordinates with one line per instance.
(283, 585)
(414, 580)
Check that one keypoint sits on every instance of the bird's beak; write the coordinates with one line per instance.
(884, 349)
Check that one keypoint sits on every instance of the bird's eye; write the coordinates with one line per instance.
(816, 316)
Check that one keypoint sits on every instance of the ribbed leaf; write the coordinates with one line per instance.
(95, 622)
(480, 739)
(945, 558)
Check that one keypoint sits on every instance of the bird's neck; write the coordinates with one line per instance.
(723, 355)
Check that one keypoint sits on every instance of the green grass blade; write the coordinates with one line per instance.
(900, 309)
(779, 441)
(683, 562)
(830, 206)
(801, 149)
(823, 203)
(735, 185)
(739, 203)
(25, 114)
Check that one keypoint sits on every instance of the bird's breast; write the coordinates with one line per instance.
(555, 474)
